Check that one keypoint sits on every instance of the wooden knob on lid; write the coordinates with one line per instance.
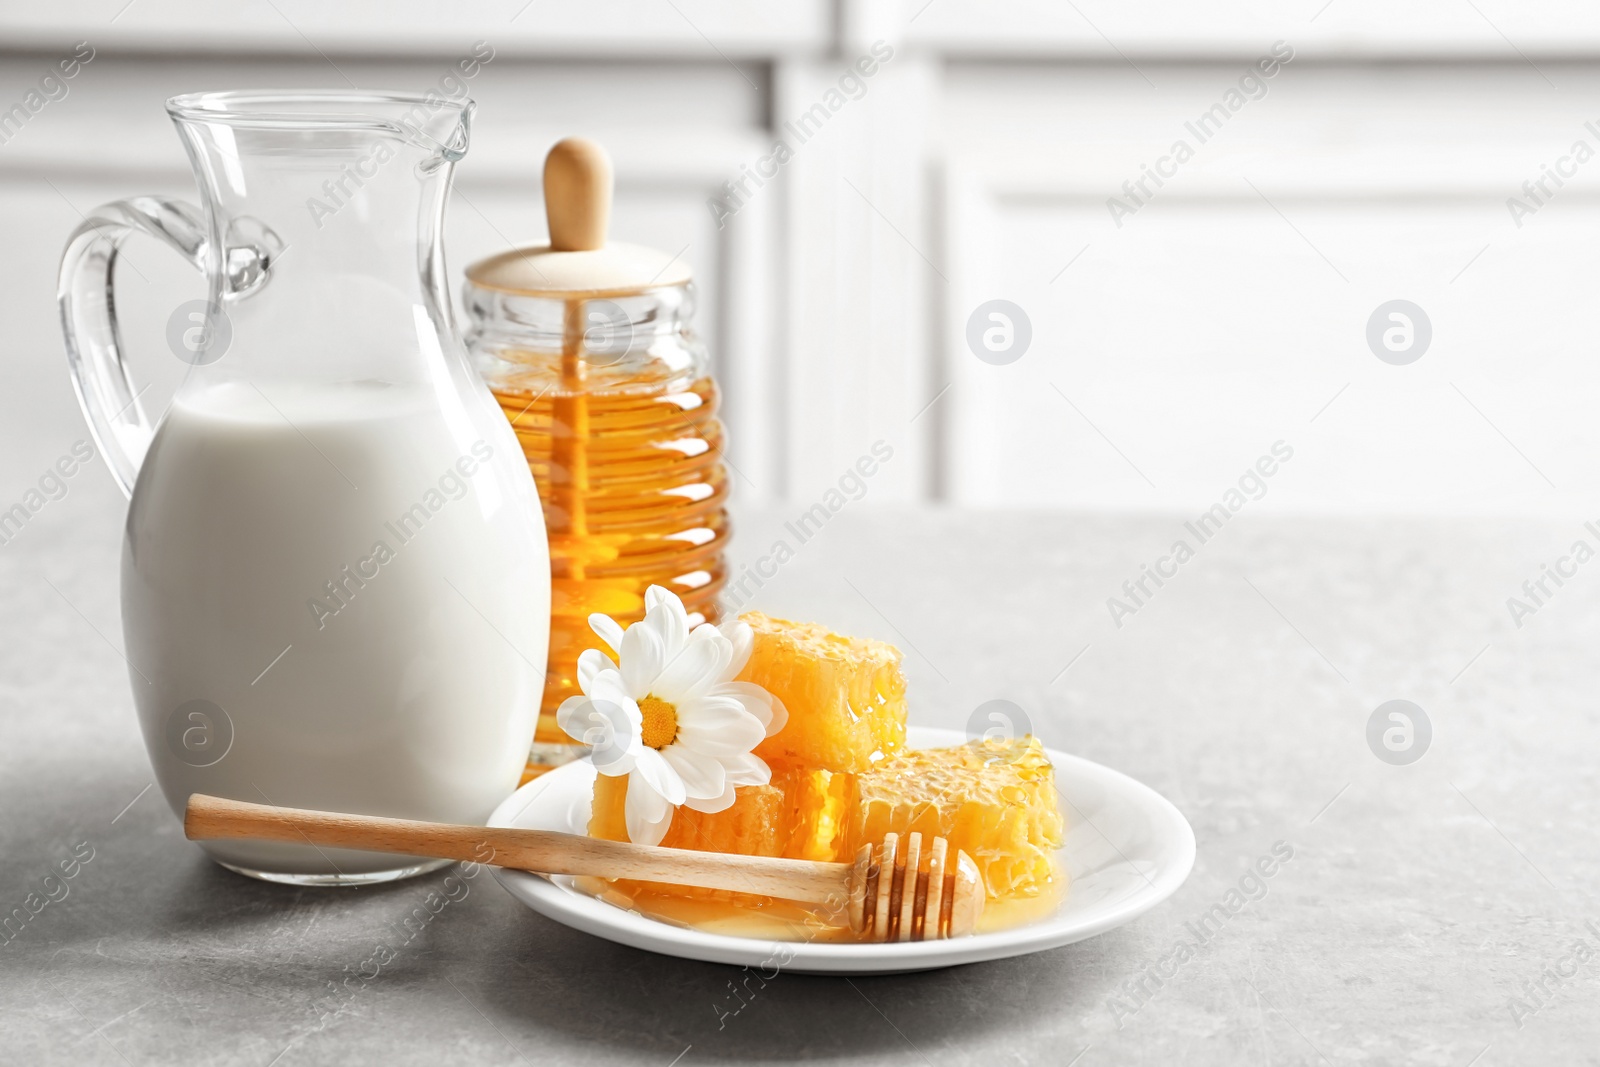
(579, 263)
(577, 195)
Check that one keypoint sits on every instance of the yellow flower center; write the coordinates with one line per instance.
(660, 722)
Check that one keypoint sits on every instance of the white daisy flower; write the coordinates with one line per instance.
(671, 718)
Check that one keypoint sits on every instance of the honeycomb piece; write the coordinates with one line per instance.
(758, 824)
(846, 695)
(993, 799)
(819, 803)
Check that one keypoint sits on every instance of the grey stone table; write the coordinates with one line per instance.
(1440, 912)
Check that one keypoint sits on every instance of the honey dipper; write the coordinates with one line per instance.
(926, 896)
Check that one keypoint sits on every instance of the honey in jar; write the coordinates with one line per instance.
(588, 347)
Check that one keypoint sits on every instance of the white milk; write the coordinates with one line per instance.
(413, 691)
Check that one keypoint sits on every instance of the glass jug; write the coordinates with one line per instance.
(335, 580)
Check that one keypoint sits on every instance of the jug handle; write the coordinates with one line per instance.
(89, 319)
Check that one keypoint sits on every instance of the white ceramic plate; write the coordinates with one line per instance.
(1126, 850)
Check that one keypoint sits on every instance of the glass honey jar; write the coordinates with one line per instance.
(588, 346)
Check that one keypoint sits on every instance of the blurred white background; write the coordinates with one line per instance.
(1167, 353)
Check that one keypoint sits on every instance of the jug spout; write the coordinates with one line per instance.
(323, 213)
(445, 131)
(432, 123)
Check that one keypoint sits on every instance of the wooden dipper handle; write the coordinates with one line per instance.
(577, 195)
(885, 894)
(545, 851)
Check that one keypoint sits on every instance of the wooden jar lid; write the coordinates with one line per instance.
(578, 260)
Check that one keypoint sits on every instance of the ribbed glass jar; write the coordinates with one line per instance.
(616, 412)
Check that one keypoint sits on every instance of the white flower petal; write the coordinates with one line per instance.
(750, 769)
(613, 762)
(721, 711)
(643, 653)
(647, 813)
(743, 639)
(718, 726)
(573, 716)
(666, 613)
(692, 670)
(702, 775)
(608, 630)
(659, 774)
(780, 714)
(712, 805)
(724, 647)
(590, 663)
(605, 726)
(607, 687)
(757, 701)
